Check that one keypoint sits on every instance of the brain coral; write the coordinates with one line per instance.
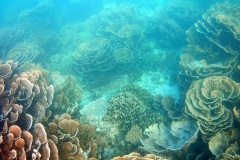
(205, 100)
(94, 56)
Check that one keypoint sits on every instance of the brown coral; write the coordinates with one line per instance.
(74, 139)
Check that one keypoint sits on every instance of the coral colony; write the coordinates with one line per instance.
(130, 82)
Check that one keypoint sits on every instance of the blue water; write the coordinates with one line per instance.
(137, 52)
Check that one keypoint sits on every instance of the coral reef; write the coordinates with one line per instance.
(174, 110)
(22, 95)
(18, 144)
(205, 102)
(131, 106)
(94, 56)
(218, 143)
(74, 139)
(23, 52)
(8, 38)
(174, 136)
(67, 93)
(124, 59)
(134, 135)
(130, 34)
(135, 155)
(213, 43)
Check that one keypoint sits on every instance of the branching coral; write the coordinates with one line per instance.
(94, 56)
(131, 106)
(205, 102)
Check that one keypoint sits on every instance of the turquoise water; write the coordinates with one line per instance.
(158, 76)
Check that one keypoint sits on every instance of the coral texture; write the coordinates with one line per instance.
(23, 52)
(131, 106)
(213, 43)
(74, 139)
(67, 93)
(205, 100)
(134, 135)
(174, 136)
(8, 38)
(94, 56)
(135, 155)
